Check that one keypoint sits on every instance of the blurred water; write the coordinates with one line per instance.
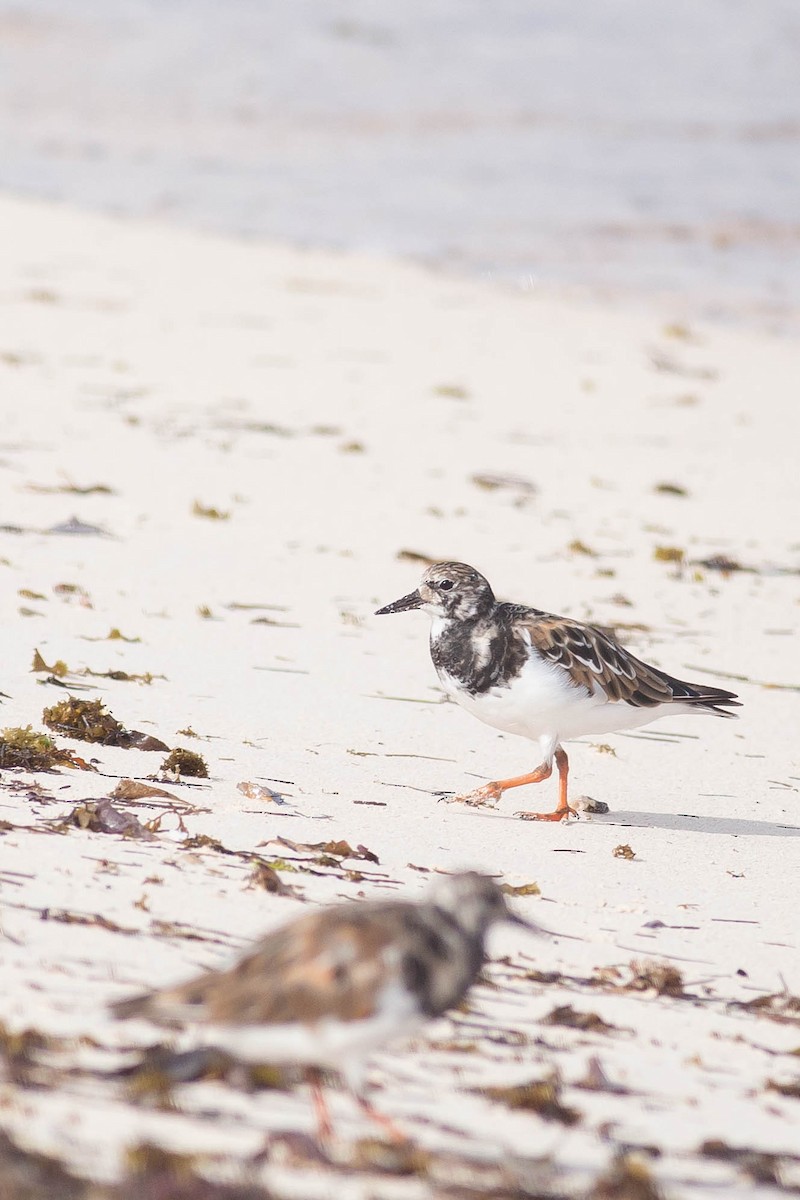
(625, 146)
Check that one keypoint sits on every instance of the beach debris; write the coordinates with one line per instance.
(676, 329)
(85, 720)
(160, 1068)
(660, 977)
(32, 751)
(209, 512)
(778, 1006)
(760, 1166)
(26, 1174)
(673, 554)
(134, 789)
(669, 365)
(451, 391)
(590, 806)
(59, 669)
(74, 527)
(101, 816)
(623, 851)
(114, 635)
(542, 1096)
(337, 849)
(266, 877)
(722, 563)
(670, 489)
(184, 762)
(263, 875)
(70, 489)
(493, 481)
(596, 1080)
(628, 1178)
(89, 721)
(571, 1018)
(785, 1089)
(524, 889)
(258, 791)
(576, 546)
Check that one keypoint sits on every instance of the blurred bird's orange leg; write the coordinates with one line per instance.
(386, 1123)
(563, 810)
(324, 1127)
(490, 793)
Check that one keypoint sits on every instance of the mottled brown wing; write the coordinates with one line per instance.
(324, 965)
(593, 660)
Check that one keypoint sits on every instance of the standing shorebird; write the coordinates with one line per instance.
(544, 677)
(335, 984)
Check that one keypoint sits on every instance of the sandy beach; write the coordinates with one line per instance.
(218, 459)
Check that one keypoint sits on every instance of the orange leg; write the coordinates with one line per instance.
(563, 810)
(387, 1125)
(324, 1127)
(490, 793)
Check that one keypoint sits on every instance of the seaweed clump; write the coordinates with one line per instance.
(89, 721)
(86, 720)
(542, 1096)
(24, 747)
(185, 762)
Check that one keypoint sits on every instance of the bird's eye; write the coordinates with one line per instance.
(446, 585)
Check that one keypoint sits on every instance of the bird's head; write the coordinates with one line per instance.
(452, 590)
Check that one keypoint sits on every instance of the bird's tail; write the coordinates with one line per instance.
(705, 698)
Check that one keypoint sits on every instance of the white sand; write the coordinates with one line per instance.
(155, 362)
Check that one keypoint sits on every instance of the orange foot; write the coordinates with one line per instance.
(482, 797)
(558, 814)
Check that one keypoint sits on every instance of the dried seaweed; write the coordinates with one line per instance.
(785, 1089)
(523, 889)
(542, 1096)
(32, 751)
(89, 721)
(492, 482)
(338, 849)
(663, 978)
(570, 1018)
(777, 1006)
(185, 762)
(673, 554)
(628, 1178)
(266, 877)
(209, 512)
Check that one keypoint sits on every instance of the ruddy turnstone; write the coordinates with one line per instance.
(331, 986)
(544, 677)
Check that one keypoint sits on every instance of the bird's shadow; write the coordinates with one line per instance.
(688, 822)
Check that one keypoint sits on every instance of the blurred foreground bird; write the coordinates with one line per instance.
(335, 984)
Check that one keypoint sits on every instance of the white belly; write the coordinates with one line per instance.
(543, 705)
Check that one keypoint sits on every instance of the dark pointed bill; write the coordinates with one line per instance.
(412, 600)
